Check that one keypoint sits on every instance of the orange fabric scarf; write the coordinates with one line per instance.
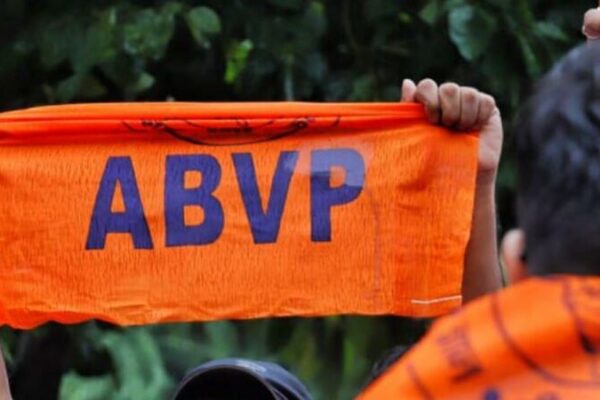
(537, 340)
(142, 213)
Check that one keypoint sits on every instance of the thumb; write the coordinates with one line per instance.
(409, 90)
(591, 24)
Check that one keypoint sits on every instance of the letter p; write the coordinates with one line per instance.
(324, 196)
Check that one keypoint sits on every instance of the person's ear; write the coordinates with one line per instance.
(513, 255)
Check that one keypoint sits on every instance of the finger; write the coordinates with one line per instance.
(591, 24)
(469, 108)
(427, 94)
(409, 89)
(450, 104)
(487, 106)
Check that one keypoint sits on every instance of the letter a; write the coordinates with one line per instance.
(118, 170)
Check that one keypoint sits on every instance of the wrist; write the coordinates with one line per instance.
(486, 179)
(485, 196)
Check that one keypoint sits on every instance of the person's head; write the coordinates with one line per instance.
(558, 151)
(235, 378)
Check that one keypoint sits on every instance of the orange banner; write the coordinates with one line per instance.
(144, 213)
(536, 340)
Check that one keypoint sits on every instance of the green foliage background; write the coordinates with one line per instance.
(57, 51)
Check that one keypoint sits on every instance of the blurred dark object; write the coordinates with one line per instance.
(237, 378)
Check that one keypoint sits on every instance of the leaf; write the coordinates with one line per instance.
(203, 22)
(301, 351)
(79, 85)
(172, 8)
(181, 349)
(129, 75)
(405, 18)
(143, 82)
(432, 12)
(532, 62)
(138, 365)
(550, 30)
(357, 339)
(222, 338)
(76, 387)
(68, 88)
(148, 34)
(97, 44)
(237, 55)
(471, 29)
(256, 342)
(56, 41)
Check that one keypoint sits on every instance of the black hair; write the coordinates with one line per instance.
(558, 151)
(385, 362)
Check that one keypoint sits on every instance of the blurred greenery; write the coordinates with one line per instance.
(58, 51)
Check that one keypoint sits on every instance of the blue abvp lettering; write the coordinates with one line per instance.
(323, 196)
(119, 170)
(264, 222)
(177, 197)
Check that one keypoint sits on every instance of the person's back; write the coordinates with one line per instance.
(539, 339)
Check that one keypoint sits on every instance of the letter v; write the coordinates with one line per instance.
(264, 224)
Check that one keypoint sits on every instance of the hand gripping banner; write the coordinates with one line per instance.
(145, 213)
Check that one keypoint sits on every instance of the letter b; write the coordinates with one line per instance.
(177, 197)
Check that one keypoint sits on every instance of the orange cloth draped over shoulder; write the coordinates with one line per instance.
(537, 340)
(144, 213)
